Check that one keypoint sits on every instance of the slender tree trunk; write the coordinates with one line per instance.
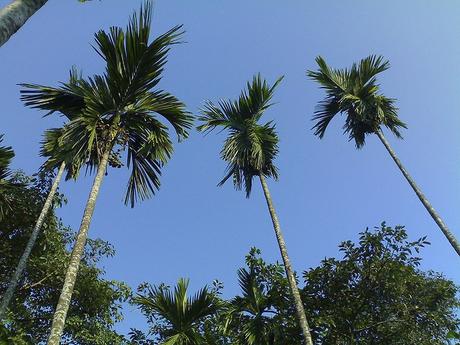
(287, 265)
(30, 244)
(14, 16)
(436, 217)
(57, 327)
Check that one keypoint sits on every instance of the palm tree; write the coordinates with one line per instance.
(249, 312)
(249, 151)
(120, 114)
(355, 93)
(6, 155)
(70, 105)
(14, 15)
(183, 315)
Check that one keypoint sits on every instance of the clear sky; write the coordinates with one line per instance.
(328, 191)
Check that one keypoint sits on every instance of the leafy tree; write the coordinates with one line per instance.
(120, 114)
(97, 302)
(250, 150)
(6, 155)
(376, 294)
(355, 93)
(179, 318)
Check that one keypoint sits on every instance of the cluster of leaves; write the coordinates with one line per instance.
(375, 294)
(96, 306)
(6, 155)
(251, 147)
(380, 294)
(354, 92)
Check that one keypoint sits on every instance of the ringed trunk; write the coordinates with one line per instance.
(436, 217)
(57, 327)
(287, 265)
(14, 16)
(30, 244)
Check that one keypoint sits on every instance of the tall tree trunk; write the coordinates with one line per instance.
(57, 327)
(287, 265)
(30, 244)
(14, 16)
(436, 217)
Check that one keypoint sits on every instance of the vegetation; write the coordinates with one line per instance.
(119, 115)
(250, 150)
(355, 93)
(6, 155)
(53, 287)
(374, 294)
(97, 302)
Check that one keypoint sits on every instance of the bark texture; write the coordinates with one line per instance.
(436, 217)
(287, 265)
(57, 327)
(14, 15)
(30, 244)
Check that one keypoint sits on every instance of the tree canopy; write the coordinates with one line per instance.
(374, 293)
(97, 304)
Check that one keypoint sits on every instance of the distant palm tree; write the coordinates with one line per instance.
(120, 115)
(6, 155)
(69, 104)
(182, 314)
(250, 150)
(355, 93)
(249, 312)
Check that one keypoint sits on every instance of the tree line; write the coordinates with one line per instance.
(123, 114)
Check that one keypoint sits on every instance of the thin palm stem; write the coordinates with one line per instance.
(57, 327)
(30, 244)
(287, 264)
(436, 217)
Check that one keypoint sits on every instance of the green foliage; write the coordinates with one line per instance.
(374, 294)
(261, 315)
(355, 93)
(179, 318)
(119, 110)
(96, 306)
(6, 155)
(250, 148)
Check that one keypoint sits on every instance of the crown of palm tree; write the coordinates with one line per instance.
(6, 155)
(250, 148)
(118, 110)
(183, 314)
(249, 310)
(355, 93)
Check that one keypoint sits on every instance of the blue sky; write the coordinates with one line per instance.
(328, 191)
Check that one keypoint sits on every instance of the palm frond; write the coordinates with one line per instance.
(67, 99)
(149, 148)
(183, 314)
(6, 155)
